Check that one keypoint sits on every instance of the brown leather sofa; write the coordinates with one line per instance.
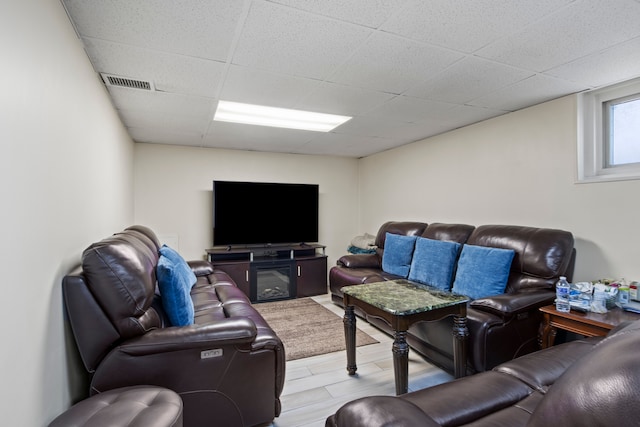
(590, 382)
(501, 327)
(228, 367)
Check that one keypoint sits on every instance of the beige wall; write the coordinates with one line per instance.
(65, 180)
(173, 191)
(515, 169)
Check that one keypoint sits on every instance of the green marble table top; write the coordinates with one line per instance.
(402, 297)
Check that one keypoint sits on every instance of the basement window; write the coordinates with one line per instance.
(609, 133)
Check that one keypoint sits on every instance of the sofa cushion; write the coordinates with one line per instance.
(433, 262)
(482, 271)
(398, 251)
(175, 280)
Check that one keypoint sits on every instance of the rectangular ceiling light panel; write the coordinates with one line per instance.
(236, 112)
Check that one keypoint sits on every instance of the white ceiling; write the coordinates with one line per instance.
(404, 69)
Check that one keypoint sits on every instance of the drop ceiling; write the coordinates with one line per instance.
(403, 69)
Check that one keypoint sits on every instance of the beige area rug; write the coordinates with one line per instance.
(307, 328)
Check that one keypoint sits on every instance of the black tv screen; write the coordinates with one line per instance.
(263, 213)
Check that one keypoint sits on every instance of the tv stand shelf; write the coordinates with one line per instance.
(250, 253)
(309, 259)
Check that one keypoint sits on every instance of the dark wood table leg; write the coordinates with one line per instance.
(350, 338)
(460, 338)
(400, 351)
(548, 336)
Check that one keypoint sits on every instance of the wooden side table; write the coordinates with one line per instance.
(587, 324)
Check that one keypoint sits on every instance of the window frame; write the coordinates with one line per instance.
(593, 147)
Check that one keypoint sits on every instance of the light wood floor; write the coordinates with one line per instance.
(317, 386)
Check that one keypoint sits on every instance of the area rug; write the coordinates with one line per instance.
(307, 328)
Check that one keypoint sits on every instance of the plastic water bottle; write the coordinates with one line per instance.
(562, 295)
(623, 293)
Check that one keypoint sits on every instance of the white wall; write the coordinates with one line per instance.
(515, 169)
(173, 191)
(65, 181)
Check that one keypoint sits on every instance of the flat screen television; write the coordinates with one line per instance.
(264, 213)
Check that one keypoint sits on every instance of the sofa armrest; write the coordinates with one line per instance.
(201, 268)
(360, 261)
(508, 305)
(380, 411)
(232, 331)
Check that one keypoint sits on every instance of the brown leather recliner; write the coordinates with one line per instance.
(501, 327)
(228, 367)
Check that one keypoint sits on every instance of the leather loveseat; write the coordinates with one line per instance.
(591, 382)
(228, 366)
(501, 327)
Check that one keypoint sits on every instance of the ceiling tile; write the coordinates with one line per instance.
(466, 25)
(468, 79)
(462, 115)
(407, 109)
(189, 27)
(606, 67)
(161, 102)
(346, 145)
(372, 126)
(169, 122)
(371, 13)
(580, 29)
(265, 88)
(419, 131)
(161, 136)
(340, 99)
(255, 138)
(349, 145)
(392, 64)
(289, 41)
(531, 91)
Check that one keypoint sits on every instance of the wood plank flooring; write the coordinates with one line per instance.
(317, 386)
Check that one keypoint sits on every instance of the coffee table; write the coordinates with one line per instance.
(587, 324)
(401, 303)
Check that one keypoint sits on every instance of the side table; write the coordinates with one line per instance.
(587, 324)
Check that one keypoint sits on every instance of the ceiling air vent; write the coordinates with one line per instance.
(111, 80)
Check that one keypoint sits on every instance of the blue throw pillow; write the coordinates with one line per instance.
(180, 263)
(482, 271)
(433, 262)
(175, 282)
(398, 251)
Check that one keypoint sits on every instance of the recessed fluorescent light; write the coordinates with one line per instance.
(236, 112)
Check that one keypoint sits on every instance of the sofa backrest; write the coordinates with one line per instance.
(458, 233)
(404, 228)
(599, 389)
(542, 255)
(110, 298)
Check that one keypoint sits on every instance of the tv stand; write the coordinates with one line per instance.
(304, 265)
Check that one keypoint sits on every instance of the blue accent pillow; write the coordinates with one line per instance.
(482, 271)
(433, 262)
(175, 280)
(180, 263)
(398, 251)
